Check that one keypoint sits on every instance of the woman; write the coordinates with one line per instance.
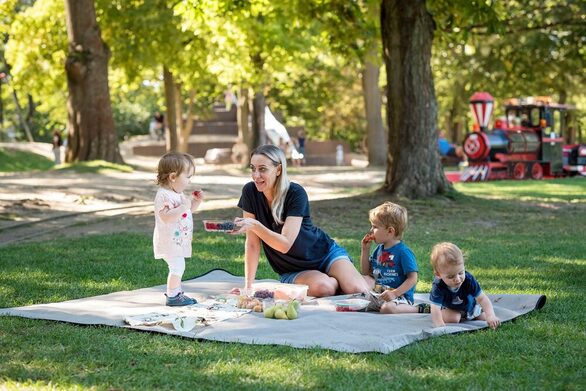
(276, 216)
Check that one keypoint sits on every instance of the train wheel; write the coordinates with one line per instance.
(536, 171)
(519, 171)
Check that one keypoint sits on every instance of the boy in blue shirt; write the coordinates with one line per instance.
(455, 293)
(391, 270)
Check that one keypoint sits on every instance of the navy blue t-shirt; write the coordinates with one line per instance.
(464, 299)
(312, 244)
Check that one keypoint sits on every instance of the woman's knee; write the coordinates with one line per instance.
(323, 287)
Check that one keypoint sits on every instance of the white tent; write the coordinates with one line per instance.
(276, 132)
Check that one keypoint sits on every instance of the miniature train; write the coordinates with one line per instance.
(536, 138)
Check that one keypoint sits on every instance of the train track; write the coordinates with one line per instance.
(37, 229)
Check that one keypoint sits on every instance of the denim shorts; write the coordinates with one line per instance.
(335, 253)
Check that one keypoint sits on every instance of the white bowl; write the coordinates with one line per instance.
(184, 323)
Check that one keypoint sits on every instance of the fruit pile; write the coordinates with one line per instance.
(249, 303)
(223, 226)
(288, 311)
(264, 294)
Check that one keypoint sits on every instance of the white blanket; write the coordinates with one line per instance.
(317, 326)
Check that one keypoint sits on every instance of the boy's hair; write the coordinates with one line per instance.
(390, 215)
(445, 253)
(173, 162)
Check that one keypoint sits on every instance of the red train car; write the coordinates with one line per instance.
(536, 138)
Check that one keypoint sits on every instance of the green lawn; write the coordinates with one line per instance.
(15, 160)
(519, 237)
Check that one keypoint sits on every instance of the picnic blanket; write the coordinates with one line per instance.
(318, 326)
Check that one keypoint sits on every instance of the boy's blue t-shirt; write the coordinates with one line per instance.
(312, 244)
(391, 265)
(464, 299)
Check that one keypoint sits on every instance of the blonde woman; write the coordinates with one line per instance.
(276, 217)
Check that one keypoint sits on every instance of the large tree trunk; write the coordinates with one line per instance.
(258, 120)
(376, 135)
(413, 168)
(171, 128)
(91, 130)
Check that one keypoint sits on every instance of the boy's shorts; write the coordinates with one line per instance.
(335, 253)
(472, 314)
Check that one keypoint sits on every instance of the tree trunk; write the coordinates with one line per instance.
(171, 128)
(243, 111)
(186, 126)
(91, 130)
(258, 120)
(181, 142)
(414, 169)
(376, 135)
(21, 117)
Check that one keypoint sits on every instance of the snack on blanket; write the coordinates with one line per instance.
(281, 310)
(283, 291)
(218, 225)
(249, 303)
(351, 305)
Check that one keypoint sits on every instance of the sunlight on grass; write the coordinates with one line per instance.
(551, 190)
(12, 160)
(95, 166)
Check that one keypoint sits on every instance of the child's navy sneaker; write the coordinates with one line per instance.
(423, 308)
(180, 300)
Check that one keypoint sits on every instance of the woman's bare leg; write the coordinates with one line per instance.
(349, 279)
(320, 284)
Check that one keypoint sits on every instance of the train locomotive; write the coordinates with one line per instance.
(535, 139)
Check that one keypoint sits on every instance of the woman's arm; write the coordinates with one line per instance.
(251, 254)
(281, 242)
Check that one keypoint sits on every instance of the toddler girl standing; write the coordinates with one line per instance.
(174, 220)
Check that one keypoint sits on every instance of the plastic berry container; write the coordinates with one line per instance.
(218, 225)
(351, 305)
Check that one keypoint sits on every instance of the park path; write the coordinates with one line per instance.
(41, 205)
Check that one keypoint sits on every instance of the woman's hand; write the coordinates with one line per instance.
(244, 224)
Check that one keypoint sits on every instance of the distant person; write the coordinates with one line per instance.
(57, 143)
(301, 144)
(339, 155)
(174, 221)
(301, 140)
(446, 148)
(391, 270)
(230, 98)
(157, 126)
(276, 219)
(455, 293)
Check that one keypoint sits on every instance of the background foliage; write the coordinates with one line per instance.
(306, 56)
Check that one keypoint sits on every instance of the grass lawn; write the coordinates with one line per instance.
(12, 160)
(518, 237)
